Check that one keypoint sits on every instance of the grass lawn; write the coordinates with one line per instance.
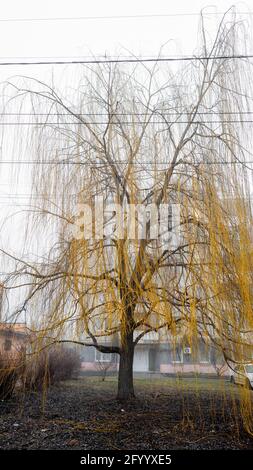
(164, 384)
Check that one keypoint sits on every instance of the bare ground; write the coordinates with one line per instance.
(167, 414)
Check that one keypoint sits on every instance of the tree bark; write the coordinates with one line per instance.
(125, 376)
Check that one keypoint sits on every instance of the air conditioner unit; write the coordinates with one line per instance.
(187, 350)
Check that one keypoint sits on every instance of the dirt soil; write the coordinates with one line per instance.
(83, 414)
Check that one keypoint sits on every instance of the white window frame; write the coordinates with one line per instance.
(102, 357)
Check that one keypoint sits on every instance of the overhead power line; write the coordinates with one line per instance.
(120, 17)
(48, 123)
(154, 113)
(117, 162)
(130, 60)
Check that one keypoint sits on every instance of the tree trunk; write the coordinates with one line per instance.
(125, 377)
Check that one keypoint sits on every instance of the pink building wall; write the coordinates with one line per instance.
(188, 368)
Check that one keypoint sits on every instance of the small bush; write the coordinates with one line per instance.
(50, 367)
(104, 368)
(64, 364)
(10, 372)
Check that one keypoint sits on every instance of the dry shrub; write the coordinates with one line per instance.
(50, 367)
(105, 367)
(10, 372)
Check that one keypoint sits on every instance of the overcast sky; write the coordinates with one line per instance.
(74, 38)
(78, 37)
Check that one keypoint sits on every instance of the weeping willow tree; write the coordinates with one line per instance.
(146, 139)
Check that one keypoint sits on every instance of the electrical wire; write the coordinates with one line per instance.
(117, 162)
(48, 123)
(156, 112)
(120, 17)
(130, 60)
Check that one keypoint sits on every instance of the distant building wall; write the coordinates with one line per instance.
(13, 338)
(190, 368)
(92, 360)
(141, 359)
(158, 357)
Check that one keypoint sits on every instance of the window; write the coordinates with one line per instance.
(7, 344)
(102, 357)
(204, 353)
(170, 216)
(165, 219)
(100, 322)
(177, 354)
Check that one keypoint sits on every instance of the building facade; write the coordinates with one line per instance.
(13, 338)
(152, 355)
